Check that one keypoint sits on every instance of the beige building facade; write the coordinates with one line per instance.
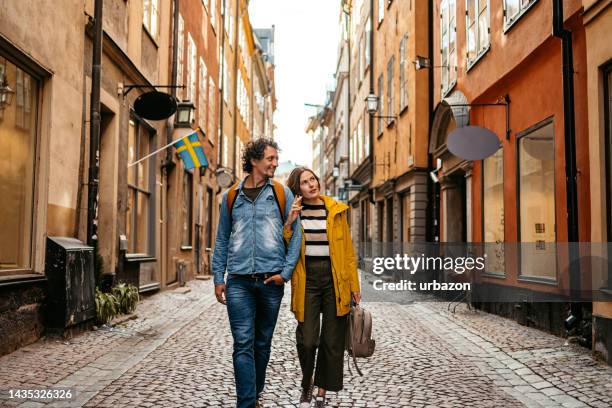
(597, 22)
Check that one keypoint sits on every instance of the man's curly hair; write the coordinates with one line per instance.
(254, 150)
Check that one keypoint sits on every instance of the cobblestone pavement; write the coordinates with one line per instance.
(177, 353)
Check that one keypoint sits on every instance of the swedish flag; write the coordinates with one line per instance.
(190, 150)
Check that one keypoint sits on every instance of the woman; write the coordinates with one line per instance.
(324, 282)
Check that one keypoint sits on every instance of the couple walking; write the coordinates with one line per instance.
(268, 235)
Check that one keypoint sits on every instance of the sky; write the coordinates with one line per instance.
(305, 55)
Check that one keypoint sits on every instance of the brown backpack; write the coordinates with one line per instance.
(359, 342)
(279, 196)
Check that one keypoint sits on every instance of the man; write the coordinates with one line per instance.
(250, 246)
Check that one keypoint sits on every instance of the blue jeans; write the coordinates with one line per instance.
(253, 309)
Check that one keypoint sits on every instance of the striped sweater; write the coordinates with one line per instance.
(314, 222)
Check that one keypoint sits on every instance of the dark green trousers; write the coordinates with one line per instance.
(321, 342)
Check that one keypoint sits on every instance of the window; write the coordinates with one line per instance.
(405, 219)
(368, 35)
(381, 10)
(514, 9)
(537, 200)
(228, 19)
(237, 154)
(210, 198)
(17, 168)
(191, 69)
(359, 144)
(187, 209)
(140, 187)
(366, 134)
(151, 17)
(225, 150)
(390, 92)
(353, 148)
(381, 101)
(493, 211)
(212, 8)
(477, 23)
(180, 64)
(211, 108)
(448, 43)
(225, 81)
(403, 85)
(202, 95)
(608, 142)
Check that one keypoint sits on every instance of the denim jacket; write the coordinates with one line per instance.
(252, 240)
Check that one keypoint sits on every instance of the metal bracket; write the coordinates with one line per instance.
(502, 101)
(128, 88)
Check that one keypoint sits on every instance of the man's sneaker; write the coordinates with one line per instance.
(306, 397)
(320, 402)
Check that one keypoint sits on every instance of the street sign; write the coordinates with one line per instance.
(472, 142)
(155, 105)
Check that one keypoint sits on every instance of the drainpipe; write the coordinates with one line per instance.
(370, 117)
(94, 138)
(168, 164)
(235, 110)
(432, 210)
(570, 150)
(220, 132)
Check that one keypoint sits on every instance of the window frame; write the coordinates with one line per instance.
(452, 68)
(607, 84)
(519, 136)
(141, 124)
(147, 18)
(381, 96)
(501, 274)
(522, 10)
(180, 60)
(479, 52)
(192, 68)
(390, 90)
(188, 179)
(607, 105)
(381, 11)
(403, 77)
(37, 75)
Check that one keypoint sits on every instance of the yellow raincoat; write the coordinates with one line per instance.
(342, 254)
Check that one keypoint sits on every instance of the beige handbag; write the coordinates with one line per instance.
(359, 342)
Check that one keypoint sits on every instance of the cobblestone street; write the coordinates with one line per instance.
(177, 353)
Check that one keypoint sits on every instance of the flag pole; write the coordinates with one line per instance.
(163, 148)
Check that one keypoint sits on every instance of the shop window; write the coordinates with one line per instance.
(140, 186)
(187, 210)
(493, 212)
(18, 124)
(608, 142)
(536, 177)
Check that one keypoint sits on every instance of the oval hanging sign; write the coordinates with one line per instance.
(155, 105)
(472, 142)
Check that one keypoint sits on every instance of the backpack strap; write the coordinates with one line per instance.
(231, 198)
(281, 200)
(279, 196)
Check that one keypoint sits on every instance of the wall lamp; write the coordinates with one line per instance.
(425, 63)
(372, 102)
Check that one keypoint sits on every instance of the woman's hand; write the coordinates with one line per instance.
(296, 209)
(356, 297)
